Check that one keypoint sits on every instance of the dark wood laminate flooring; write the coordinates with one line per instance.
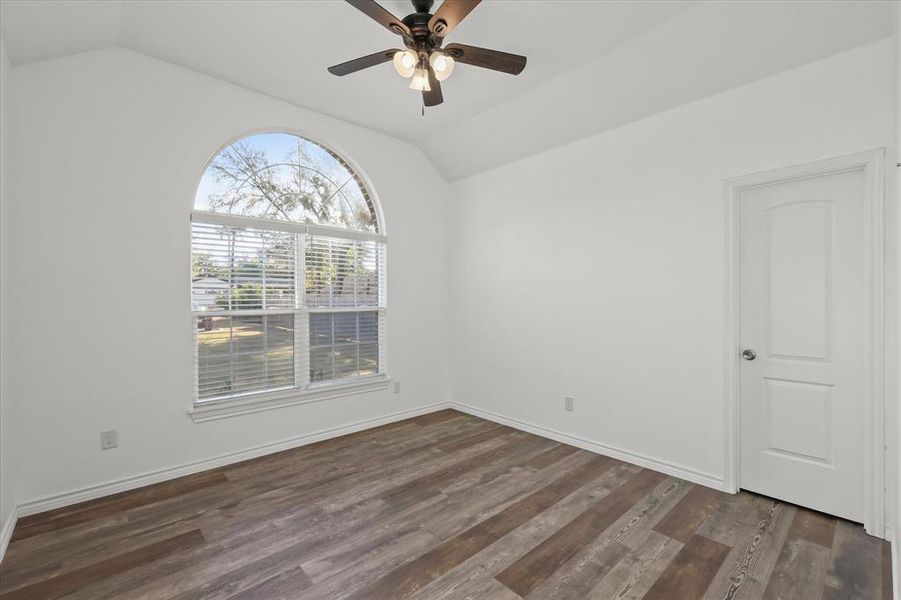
(440, 506)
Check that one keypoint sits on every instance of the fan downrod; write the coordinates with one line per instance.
(422, 6)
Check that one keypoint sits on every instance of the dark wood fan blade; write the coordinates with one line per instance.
(449, 15)
(374, 11)
(487, 59)
(433, 97)
(364, 62)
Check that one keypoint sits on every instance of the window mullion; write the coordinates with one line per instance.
(265, 325)
(301, 328)
(194, 325)
(231, 354)
(264, 268)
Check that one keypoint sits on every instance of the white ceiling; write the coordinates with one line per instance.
(592, 65)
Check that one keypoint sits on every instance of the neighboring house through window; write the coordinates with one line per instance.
(288, 271)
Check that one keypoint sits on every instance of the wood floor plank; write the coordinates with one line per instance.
(751, 561)
(728, 518)
(369, 567)
(684, 519)
(527, 573)
(855, 565)
(469, 575)
(549, 457)
(576, 577)
(814, 527)
(491, 589)
(633, 576)
(439, 417)
(800, 572)
(182, 579)
(71, 515)
(471, 440)
(63, 584)
(435, 479)
(287, 585)
(147, 575)
(441, 506)
(633, 526)
(419, 572)
(499, 467)
(690, 573)
(887, 589)
(245, 577)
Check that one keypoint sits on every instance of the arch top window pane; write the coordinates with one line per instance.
(286, 177)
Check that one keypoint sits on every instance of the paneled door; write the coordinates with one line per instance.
(802, 335)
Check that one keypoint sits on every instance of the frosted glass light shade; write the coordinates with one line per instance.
(420, 81)
(404, 62)
(442, 65)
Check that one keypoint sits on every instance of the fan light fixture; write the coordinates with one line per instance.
(420, 81)
(442, 64)
(405, 62)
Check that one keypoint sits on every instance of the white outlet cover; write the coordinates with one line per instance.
(109, 439)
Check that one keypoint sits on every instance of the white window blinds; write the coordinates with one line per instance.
(343, 273)
(243, 354)
(243, 269)
(276, 310)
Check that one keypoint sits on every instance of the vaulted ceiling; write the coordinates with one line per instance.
(592, 65)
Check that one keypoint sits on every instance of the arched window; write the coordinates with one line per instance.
(288, 272)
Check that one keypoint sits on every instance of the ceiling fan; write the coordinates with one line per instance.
(424, 61)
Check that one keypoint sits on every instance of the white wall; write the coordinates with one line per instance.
(596, 269)
(7, 486)
(109, 147)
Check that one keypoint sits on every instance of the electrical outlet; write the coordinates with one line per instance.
(396, 387)
(568, 403)
(109, 439)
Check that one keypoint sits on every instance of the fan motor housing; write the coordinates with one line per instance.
(418, 23)
(422, 38)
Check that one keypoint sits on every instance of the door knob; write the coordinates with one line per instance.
(749, 354)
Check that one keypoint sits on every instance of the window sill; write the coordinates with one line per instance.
(223, 409)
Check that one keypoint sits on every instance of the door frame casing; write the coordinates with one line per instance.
(871, 163)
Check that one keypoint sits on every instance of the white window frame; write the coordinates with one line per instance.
(303, 391)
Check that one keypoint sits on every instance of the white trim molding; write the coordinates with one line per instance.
(6, 532)
(648, 462)
(871, 163)
(229, 220)
(223, 409)
(130, 483)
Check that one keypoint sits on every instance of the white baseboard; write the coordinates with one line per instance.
(641, 460)
(6, 532)
(129, 483)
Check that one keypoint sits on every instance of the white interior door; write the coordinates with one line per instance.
(802, 311)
